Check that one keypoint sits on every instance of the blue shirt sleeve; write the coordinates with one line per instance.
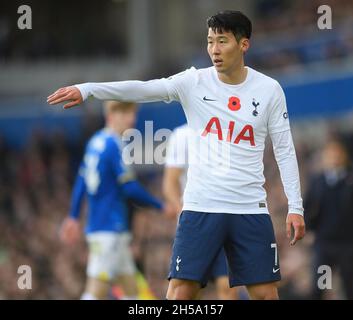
(78, 193)
(134, 191)
(126, 178)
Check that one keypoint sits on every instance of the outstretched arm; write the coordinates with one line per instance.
(167, 90)
(132, 91)
(284, 151)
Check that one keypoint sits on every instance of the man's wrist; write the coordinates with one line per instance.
(84, 90)
(296, 211)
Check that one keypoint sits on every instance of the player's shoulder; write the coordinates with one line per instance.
(204, 72)
(112, 139)
(192, 74)
(95, 138)
(264, 80)
(102, 140)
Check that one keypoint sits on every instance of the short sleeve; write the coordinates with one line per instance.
(180, 84)
(278, 120)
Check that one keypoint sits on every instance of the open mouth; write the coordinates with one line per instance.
(217, 62)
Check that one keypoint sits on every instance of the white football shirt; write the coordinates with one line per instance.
(177, 151)
(226, 153)
(230, 124)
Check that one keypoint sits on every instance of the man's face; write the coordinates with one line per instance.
(123, 119)
(224, 50)
(334, 156)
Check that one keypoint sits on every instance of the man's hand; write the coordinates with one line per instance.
(71, 94)
(70, 231)
(297, 222)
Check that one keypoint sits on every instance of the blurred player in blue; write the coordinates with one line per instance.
(108, 183)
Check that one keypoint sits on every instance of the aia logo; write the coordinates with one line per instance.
(234, 103)
(214, 127)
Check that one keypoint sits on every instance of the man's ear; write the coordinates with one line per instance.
(244, 44)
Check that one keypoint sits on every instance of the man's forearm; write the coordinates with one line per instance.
(172, 189)
(78, 193)
(172, 194)
(132, 91)
(285, 155)
(134, 191)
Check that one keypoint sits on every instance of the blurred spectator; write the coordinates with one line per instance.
(328, 207)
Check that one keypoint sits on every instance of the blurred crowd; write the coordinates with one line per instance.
(285, 36)
(35, 186)
(276, 16)
(35, 189)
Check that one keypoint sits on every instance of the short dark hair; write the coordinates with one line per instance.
(231, 21)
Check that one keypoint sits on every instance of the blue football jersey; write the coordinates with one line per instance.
(100, 176)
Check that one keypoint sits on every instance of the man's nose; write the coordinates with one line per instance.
(215, 49)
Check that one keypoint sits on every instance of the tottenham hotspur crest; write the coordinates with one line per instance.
(255, 104)
(178, 260)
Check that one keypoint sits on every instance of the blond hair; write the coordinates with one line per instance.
(114, 106)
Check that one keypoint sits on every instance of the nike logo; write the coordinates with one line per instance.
(206, 99)
(275, 270)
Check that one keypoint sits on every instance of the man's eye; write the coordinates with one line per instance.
(209, 42)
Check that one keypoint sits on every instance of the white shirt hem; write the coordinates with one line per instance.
(244, 210)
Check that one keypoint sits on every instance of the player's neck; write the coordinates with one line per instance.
(236, 76)
(117, 131)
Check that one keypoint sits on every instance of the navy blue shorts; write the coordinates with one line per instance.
(219, 266)
(248, 240)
